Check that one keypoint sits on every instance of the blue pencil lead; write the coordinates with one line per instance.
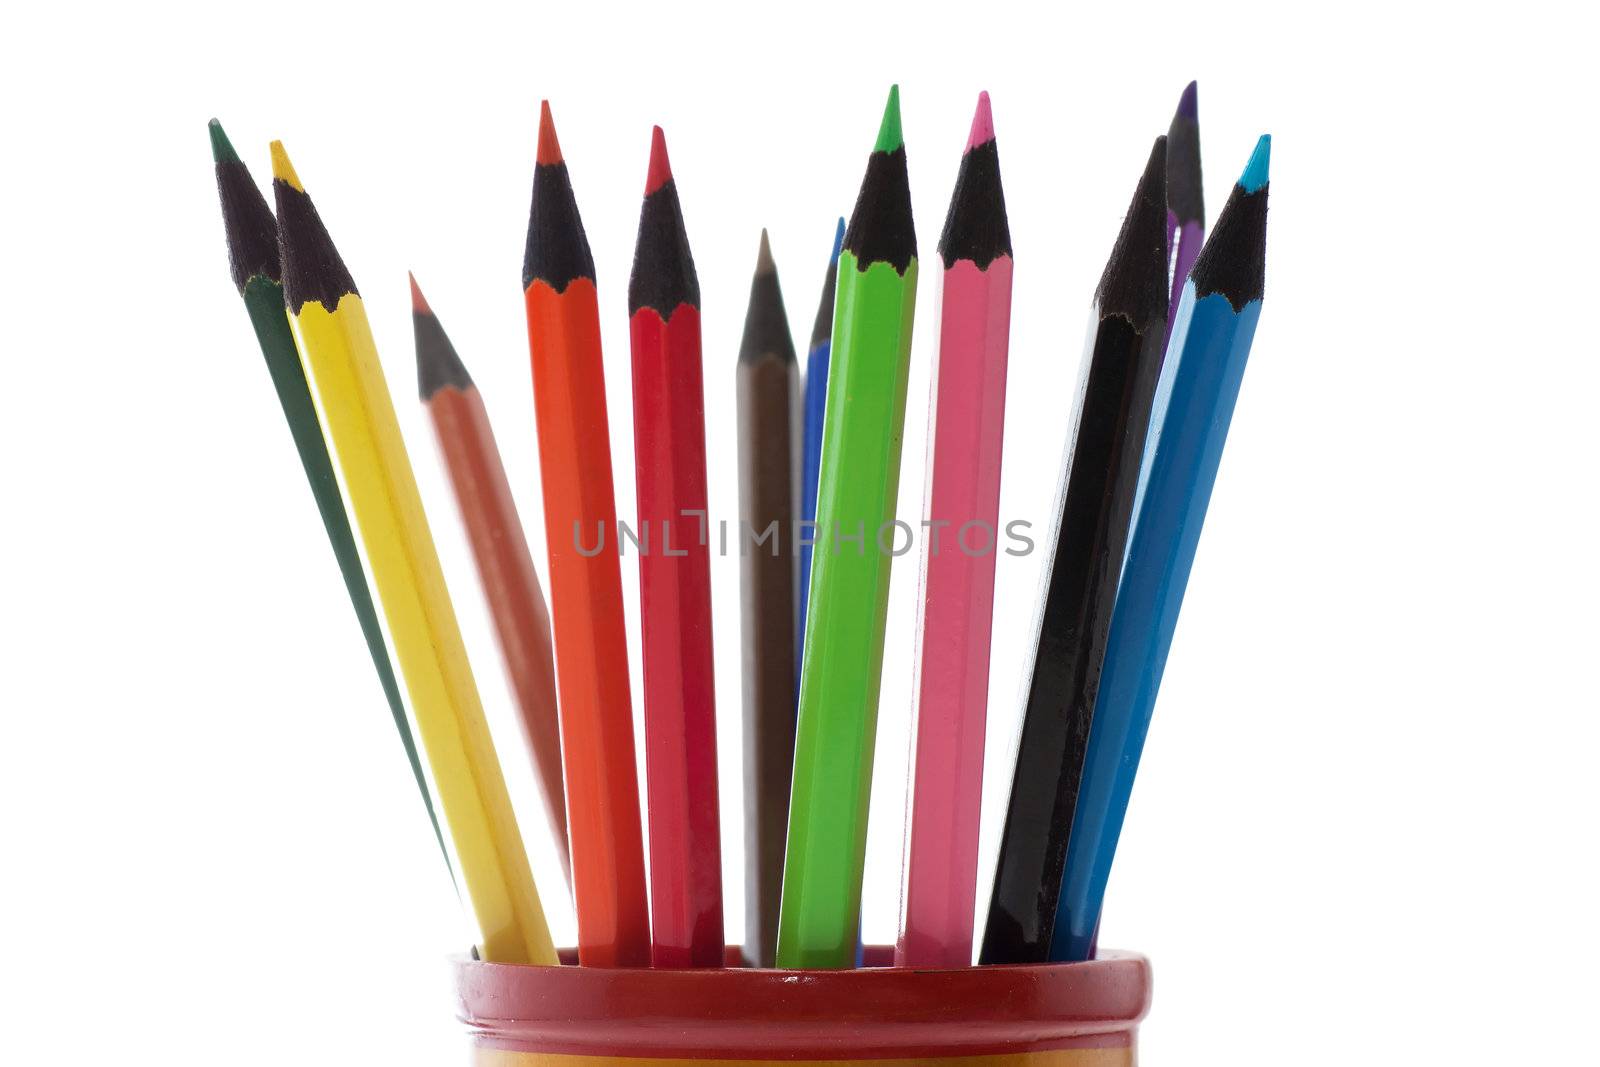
(1255, 171)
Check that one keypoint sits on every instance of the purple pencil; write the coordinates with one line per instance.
(1186, 207)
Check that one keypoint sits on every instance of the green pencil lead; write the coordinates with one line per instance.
(221, 148)
(889, 135)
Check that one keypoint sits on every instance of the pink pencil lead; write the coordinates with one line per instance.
(982, 124)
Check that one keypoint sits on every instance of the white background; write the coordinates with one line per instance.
(1363, 831)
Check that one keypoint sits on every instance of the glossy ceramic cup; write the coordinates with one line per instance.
(1050, 1015)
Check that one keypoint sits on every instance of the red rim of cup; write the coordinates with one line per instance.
(873, 1012)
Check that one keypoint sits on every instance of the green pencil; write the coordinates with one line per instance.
(820, 915)
(253, 255)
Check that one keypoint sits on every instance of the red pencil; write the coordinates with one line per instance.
(669, 445)
(585, 577)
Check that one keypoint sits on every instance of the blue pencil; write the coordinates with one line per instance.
(811, 449)
(1210, 345)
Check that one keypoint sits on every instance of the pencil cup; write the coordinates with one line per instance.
(1050, 1015)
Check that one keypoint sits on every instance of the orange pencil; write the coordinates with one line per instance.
(585, 576)
(505, 567)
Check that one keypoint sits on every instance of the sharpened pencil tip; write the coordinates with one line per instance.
(549, 153)
(982, 124)
(221, 148)
(766, 328)
(1233, 261)
(881, 229)
(438, 365)
(419, 303)
(313, 270)
(764, 264)
(557, 250)
(282, 169)
(1134, 284)
(1188, 103)
(889, 135)
(251, 230)
(663, 274)
(1255, 171)
(975, 226)
(1186, 200)
(822, 325)
(660, 167)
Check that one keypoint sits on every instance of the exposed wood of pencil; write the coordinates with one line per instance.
(767, 382)
(1094, 502)
(252, 235)
(680, 722)
(499, 550)
(338, 346)
(585, 576)
(958, 560)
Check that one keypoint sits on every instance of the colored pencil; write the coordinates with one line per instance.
(1211, 344)
(337, 341)
(816, 396)
(767, 383)
(669, 449)
(876, 297)
(1186, 205)
(1094, 501)
(252, 235)
(958, 558)
(499, 550)
(596, 709)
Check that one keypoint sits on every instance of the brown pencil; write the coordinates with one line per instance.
(505, 567)
(768, 396)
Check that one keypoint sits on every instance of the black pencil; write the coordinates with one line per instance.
(1093, 505)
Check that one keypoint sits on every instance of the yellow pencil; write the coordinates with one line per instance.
(336, 343)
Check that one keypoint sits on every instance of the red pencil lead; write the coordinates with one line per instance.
(419, 303)
(982, 124)
(549, 148)
(660, 169)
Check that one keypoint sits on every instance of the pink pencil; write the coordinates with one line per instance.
(958, 554)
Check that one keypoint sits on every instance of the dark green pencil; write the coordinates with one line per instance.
(253, 255)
